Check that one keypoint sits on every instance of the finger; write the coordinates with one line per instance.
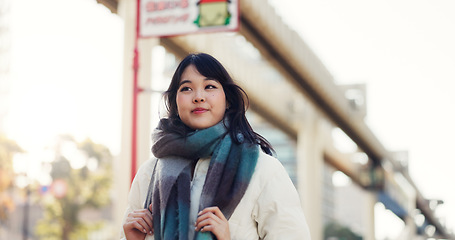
(208, 228)
(138, 213)
(142, 214)
(215, 210)
(144, 220)
(208, 209)
(211, 219)
(151, 216)
(207, 215)
(207, 218)
(139, 226)
(203, 224)
(149, 220)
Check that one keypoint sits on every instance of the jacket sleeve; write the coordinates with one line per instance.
(278, 211)
(138, 192)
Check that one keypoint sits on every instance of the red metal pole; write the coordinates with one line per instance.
(136, 91)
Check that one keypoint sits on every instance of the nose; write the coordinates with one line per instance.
(198, 98)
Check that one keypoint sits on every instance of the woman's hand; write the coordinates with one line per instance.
(138, 224)
(211, 219)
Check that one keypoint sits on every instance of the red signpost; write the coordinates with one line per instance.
(136, 91)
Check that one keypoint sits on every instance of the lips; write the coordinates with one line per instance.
(199, 110)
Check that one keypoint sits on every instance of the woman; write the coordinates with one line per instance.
(213, 176)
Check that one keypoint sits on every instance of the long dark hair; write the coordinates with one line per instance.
(236, 100)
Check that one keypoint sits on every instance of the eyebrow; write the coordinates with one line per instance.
(183, 82)
(189, 81)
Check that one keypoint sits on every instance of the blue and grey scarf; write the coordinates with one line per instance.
(229, 174)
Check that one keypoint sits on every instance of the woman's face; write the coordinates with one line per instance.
(201, 101)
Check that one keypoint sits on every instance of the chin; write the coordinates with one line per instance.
(200, 126)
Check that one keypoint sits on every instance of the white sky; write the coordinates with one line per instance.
(67, 69)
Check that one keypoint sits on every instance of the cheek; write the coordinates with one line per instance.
(222, 102)
(180, 100)
(223, 98)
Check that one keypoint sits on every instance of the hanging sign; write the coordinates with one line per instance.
(160, 18)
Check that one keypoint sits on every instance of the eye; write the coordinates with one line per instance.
(210, 86)
(183, 89)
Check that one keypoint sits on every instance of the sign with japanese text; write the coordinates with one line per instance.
(176, 17)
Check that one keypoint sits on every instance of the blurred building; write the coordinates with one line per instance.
(5, 55)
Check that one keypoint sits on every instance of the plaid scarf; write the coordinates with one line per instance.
(228, 176)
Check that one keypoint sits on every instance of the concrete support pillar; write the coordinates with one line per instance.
(127, 10)
(310, 164)
(145, 100)
(409, 231)
(370, 202)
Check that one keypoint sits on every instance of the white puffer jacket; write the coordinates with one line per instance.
(270, 208)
